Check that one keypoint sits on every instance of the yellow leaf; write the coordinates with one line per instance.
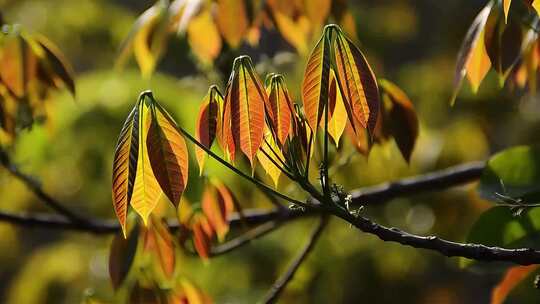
(292, 30)
(511, 279)
(336, 111)
(125, 166)
(269, 160)
(168, 154)
(232, 21)
(536, 6)
(208, 45)
(478, 64)
(146, 191)
(506, 7)
(317, 10)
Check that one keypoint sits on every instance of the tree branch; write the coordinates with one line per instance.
(278, 287)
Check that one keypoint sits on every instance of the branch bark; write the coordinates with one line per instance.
(279, 286)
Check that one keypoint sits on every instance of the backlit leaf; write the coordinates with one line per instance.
(232, 20)
(213, 206)
(62, 71)
(246, 99)
(268, 159)
(281, 104)
(207, 123)
(146, 191)
(511, 279)
(294, 31)
(357, 82)
(164, 246)
(168, 155)
(122, 255)
(316, 82)
(182, 12)
(472, 54)
(400, 120)
(201, 236)
(506, 8)
(317, 10)
(337, 114)
(125, 166)
(208, 45)
(12, 65)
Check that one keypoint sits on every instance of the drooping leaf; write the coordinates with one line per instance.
(146, 39)
(317, 10)
(281, 105)
(164, 246)
(316, 82)
(269, 155)
(215, 210)
(12, 65)
(62, 72)
(182, 12)
(511, 279)
(146, 190)
(503, 44)
(126, 156)
(472, 58)
(232, 21)
(506, 7)
(513, 173)
(122, 255)
(207, 123)
(536, 6)
(293, 31)
(400, 120)
(357, 82)
(208, 45)
(168, 155)
(337, 114)
(246, 99)
(201, 236)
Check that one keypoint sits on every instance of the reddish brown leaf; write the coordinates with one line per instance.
(207, 123)
(168, 155)
(281, 105)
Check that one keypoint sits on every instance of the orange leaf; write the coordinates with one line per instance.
(281, 105)
(357, 83)
(512, 278)
(164, 246)
(207, 123)
(208, 45)
(316, 82)
(121, 256)
(146, 191)
(232, 20)
(12, 65)
(125, 166)
(213, 206)
(168, 155)
(246, 99)
(317, 10)
(201, 238)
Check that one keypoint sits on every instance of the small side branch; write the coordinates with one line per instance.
(279, 286)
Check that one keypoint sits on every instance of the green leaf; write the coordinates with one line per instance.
(513, 174)
(499, 227)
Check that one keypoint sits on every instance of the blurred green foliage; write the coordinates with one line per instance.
(412, 43)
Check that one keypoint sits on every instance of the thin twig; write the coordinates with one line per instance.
(246, 238)
(33, 185)
(279, 286)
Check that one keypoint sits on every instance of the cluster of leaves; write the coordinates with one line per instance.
(231, 21)
(31, 68)
(256, 120)
(152, 249)
(501, 39)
